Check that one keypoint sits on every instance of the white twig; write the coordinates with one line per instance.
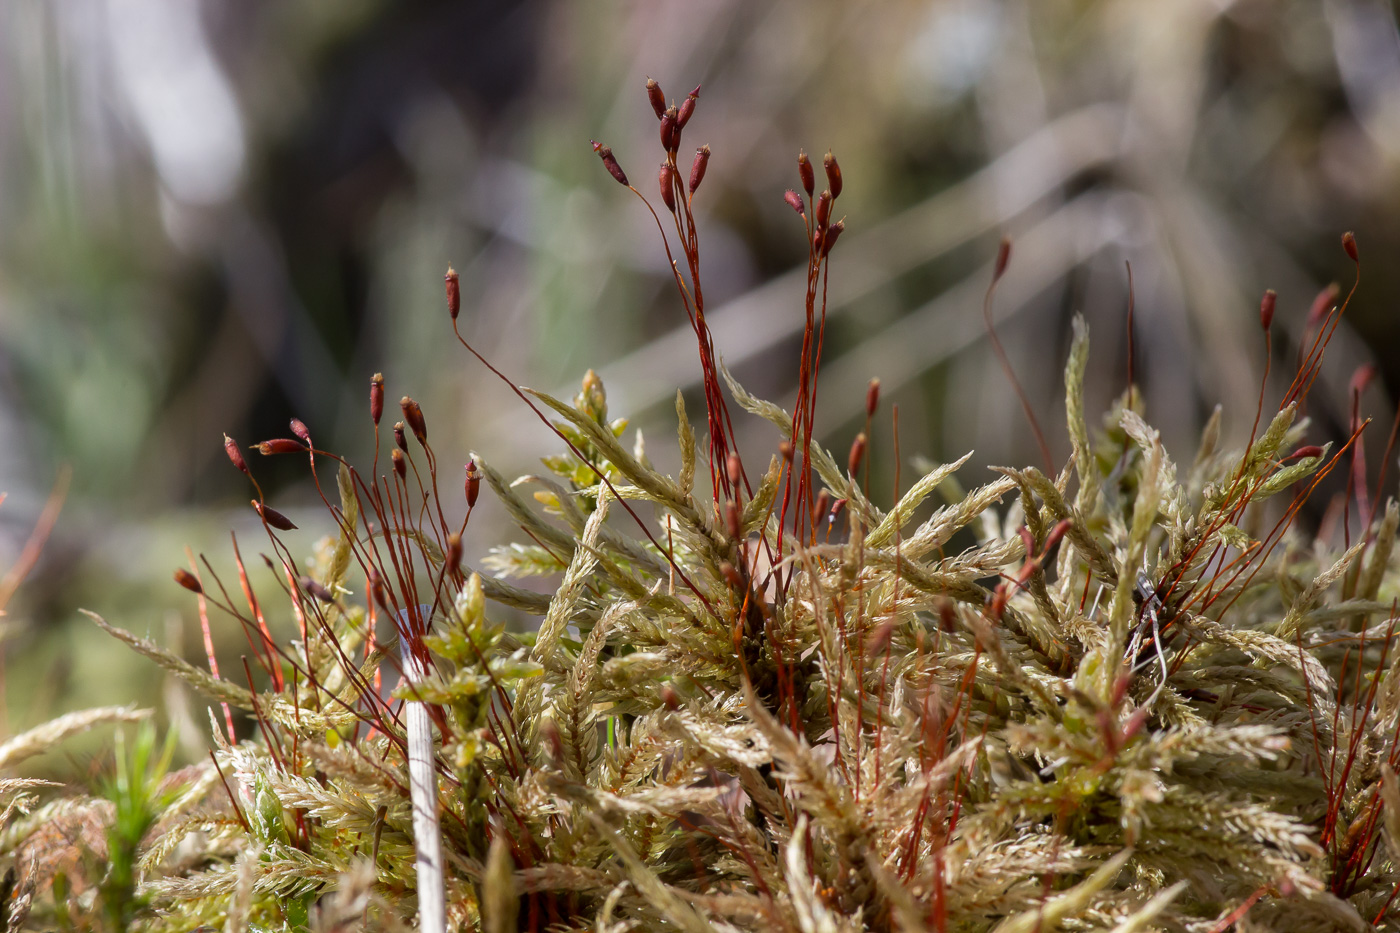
(423, 791)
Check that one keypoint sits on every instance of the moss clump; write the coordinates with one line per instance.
(1126, 696)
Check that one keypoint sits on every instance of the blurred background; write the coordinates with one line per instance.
(218, 215)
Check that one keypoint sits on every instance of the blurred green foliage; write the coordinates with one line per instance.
(214, 217)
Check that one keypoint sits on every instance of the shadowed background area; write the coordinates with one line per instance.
(216, 216)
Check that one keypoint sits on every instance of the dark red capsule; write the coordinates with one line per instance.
(376, 397)
(832, 233)
(473, 483)
(1056, 533)
(833, 174)
(273, 517)
(300, 430)
(794, 201)
(454, 553)
(454, 292)
(670, 131)
(657, 99)
(279, 445)
(1362, 377)
(1003, 259)
(872, 397)
(413, 415)
(880, 639)
(857, 453)
(400, 439)
(1349, 244)
(400, 463)
(1322, 304)
(687, 108)
(188, 580)
(1302, 453)
(837, 508)
(823, 210)
(730, 574)
(819, 508)
(997, 607)
(317, 590)
(376, 590)
(235, 455)
(804, 171)
(697, 168)
(610, 163)
(947, 615)
(1266, 308)
(666, 179)
(732, 519)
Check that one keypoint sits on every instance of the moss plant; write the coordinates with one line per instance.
(1119, 695)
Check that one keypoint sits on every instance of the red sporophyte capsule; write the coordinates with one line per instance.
(823, 209)
(1349, 244)
(1056, 533)
(1322, 304)
(837, 508)
(552, 741)
(669, 697)
(735, 468)
(273, 517)
(697, 168)
(454, 553)
(400, 463)
(317, 590)
(804, 171)
(454, 292)
(785, 450)
(300, 430)
(376, 397)
(279, 445)
(376, 589)
(731, 575)
(997, 607)
(670, 130)
(399, 438)
(1302, 453)
(832, 232)
(947, 615)
(188, 580)
(473, 483)
(1266, 308)
(880, 638)
(658, 99)
(1362, 377)
(666, 178)
(872, 397)
(414, 416)
(687, 108)
(794, 201)
(1003, 258)
(732, 519)
(235, 455)
(1028, 540)
(857, 453)
(610, 163)
(833, 174)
